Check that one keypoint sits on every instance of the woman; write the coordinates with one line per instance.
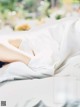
(43, 51)
(38, 50)
(30, 55)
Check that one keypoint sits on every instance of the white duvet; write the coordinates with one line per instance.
(53, 47)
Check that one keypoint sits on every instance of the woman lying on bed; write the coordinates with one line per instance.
(44, 43)
(42, 51)
(37, 49)
(30, 55)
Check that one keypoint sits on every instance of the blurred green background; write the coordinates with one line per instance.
(11, 10)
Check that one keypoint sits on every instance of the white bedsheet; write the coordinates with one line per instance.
(65, 85)
(53, 46)
(28, 93)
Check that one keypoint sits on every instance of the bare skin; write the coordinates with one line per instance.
(10, 52)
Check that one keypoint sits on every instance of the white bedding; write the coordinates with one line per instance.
(59, 56)
(27, 93)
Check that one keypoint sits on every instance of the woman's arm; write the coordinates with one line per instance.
(9, 52)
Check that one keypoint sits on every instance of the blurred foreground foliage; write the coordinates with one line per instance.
(12, 11)
(23, 7)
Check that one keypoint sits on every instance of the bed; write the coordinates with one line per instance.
(55, 80)
(27, 93)
(40, 92)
